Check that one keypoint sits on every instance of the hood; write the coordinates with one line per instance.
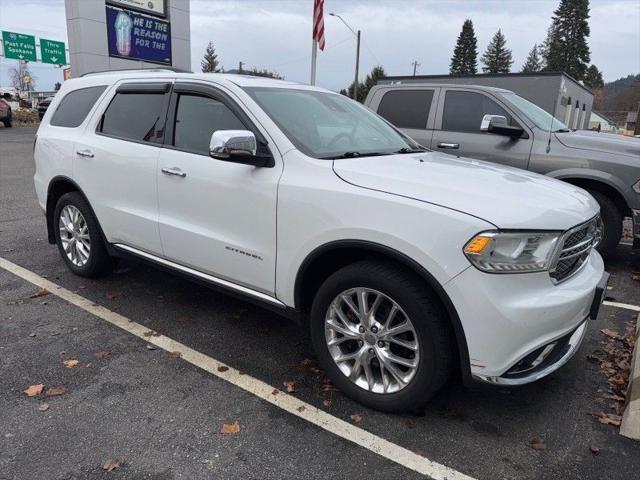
(601, 142)
(504, 196)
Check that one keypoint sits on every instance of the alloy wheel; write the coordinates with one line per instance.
(74, 235)
(372, 340)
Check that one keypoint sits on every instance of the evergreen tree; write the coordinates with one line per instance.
(370, 81)
(593, 78)
(210, 63)
(497, 57)
(255, 72)
(567, 48)
(361, 88)
(465, 54)
(533, 63)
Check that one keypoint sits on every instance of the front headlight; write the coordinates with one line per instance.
(512, 252)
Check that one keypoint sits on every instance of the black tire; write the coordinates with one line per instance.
(612, 224)
(99, 262)
(7, 123)
(431, 324)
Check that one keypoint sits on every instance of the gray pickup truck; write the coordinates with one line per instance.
(496, 125)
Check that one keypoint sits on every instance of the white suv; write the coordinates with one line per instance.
(405, 264)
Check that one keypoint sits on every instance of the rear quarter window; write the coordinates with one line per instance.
(406, 108)
(75, 106)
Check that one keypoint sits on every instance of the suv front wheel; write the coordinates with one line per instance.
(381, 336)
(78, 237)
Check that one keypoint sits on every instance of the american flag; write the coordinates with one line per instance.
(318, 22)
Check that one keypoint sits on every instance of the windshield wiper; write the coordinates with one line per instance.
(411, 150)
(355, 154)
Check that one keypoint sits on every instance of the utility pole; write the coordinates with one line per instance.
(355, 82)
(415, 66)
(240, 68)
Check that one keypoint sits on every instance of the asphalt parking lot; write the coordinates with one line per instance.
(161, 416)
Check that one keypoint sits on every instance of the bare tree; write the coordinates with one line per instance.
(21, 78)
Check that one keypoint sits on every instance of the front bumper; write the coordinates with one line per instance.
(511, 319)
(636, 228)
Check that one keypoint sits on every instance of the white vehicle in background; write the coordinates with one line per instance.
(405, 264)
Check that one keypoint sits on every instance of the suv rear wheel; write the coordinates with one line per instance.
(611, 223)
(78, 237)
(381, 336)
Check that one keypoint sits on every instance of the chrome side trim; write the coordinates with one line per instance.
(204, 276)
(572, 347)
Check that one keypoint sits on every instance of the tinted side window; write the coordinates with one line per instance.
(197, 118)
(134, 116)
(463, 111)
(406, 108)
(75, 106)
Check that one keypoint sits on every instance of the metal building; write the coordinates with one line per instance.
(556, 92)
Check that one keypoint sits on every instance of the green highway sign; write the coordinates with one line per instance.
(53, 52)
(19, 46)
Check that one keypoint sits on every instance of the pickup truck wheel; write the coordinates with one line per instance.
(7, 123)
(612, 224)
(78, 237)
(381, 336)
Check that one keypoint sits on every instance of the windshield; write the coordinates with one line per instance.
(537, 115)
(328, 125)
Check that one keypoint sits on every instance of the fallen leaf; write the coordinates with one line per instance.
(100, 354)
(111, 464)
(275, 391)
(290, 385)
(326, 403)
(151, 333)
(40, 293)
(537, 443)
(595, 450)
(608, 418)
(611, 334)
(150, 347)
(175, 354)
(230, 428)
(356, 417)
(34, 390)
(7, 250)
(113, 295)
(222, 368)
(44, 407)
(32, 334)
(301, 408)
(72, 362)
(56, 391)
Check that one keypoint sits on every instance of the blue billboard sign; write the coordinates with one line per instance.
(135, 36)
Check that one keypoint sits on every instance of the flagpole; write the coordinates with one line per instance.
(314, 54)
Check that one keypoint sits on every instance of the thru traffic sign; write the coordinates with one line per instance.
(19, 46)
(53, 52)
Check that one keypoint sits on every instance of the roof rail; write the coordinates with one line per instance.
(129, 70)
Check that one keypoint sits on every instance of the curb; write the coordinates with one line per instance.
(630, 426)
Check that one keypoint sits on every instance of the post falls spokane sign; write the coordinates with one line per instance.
(139, 36)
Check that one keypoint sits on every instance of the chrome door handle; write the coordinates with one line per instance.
(174, 171)
(85, 153)
(453, 146)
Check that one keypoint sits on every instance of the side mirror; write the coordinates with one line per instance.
(239, 146)
(498, 124)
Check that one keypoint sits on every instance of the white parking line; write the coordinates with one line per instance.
(293, 405)
(626, 306)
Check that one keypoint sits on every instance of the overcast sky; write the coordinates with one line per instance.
(275, 34)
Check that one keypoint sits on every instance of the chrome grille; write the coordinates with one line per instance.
(576, 245)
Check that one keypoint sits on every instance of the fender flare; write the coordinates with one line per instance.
(50, 208)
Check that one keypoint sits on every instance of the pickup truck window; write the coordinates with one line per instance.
(74, 107)
(133, 116)
(463, 111)
(325, 125)
(197, 117)
(537, 115)
(406, 108)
